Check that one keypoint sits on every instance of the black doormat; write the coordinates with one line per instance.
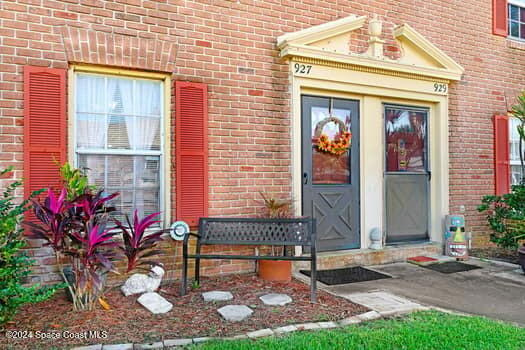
(346, 275)
(451, 267)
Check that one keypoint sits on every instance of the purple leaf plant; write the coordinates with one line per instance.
(83, 234)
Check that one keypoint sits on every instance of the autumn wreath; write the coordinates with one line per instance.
(340, 144)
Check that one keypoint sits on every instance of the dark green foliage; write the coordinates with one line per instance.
(15, 265)
(506, 216)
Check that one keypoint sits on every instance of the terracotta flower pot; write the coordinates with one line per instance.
(521, 254)
(275, 270)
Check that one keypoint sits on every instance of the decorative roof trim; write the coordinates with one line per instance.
(377, 66)
(322, 31)
(405, 31)
(358, 68)
(293, 45)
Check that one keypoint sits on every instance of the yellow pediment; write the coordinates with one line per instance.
(330, 42)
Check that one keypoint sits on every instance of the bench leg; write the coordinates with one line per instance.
(198, 264)
(184, 277)
(313, 277)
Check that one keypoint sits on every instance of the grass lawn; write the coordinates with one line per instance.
(421, 330)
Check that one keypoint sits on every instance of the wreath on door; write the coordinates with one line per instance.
(339, 144)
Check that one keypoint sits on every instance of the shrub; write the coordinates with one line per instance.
(506, 217)
(15, 265)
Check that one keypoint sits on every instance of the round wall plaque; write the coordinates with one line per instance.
(178, 230)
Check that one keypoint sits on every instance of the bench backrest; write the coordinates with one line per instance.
(254, 231)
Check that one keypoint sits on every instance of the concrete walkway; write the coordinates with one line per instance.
(495, 291)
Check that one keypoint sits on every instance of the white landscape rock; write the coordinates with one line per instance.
(155, 303)
(141, 283)
(235, 313)
(274, 299)
(217, 295)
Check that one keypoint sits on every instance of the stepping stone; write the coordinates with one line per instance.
(155, 303)
(274, 299)
(235, 313)
(217, 295)
(385, 303)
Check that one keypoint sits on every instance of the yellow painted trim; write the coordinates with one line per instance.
(405, 31)
(361, 68)
(167, 152)
(166, 79)
(89, 68)
(322, 31)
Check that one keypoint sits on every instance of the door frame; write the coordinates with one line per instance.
(355, 180)
(372, 90)
(428, 165)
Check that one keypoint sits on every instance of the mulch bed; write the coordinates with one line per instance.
(496, 253)
(129, 322)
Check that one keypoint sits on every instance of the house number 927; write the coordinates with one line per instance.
(440, 87)
(302, 68)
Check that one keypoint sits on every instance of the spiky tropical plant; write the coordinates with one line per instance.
(276, 208)
(75, 181)
(78, 229)
(137, 243)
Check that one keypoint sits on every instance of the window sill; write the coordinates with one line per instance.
(515, 43)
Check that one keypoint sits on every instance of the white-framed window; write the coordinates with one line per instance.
(119, 138)
(514, 152)
(516, 19)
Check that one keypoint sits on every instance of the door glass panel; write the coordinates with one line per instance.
(331, 142)
(406, 138)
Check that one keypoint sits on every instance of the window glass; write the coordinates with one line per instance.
(118, 138)
(331, 143)
(406, 137)
(516, 21)
(514, 12)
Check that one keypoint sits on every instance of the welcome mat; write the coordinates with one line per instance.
(346, 275)
(451, 267)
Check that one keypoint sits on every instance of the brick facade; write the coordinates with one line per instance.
(231, 46)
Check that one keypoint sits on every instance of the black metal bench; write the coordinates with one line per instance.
(252, 231)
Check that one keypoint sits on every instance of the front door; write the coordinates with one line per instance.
(330, 164)
(407, 174)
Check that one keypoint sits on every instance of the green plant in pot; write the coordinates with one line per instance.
(506, 213)
(276, 270)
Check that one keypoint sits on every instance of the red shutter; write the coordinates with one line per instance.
(501, 154)
(191, 151)
(499, 17)
(44, 127)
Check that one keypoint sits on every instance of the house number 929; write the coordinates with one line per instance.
(302, 68)
(440, 87)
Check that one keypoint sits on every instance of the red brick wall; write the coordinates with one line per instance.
(230, 45)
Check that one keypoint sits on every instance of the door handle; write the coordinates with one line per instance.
(305, 178)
